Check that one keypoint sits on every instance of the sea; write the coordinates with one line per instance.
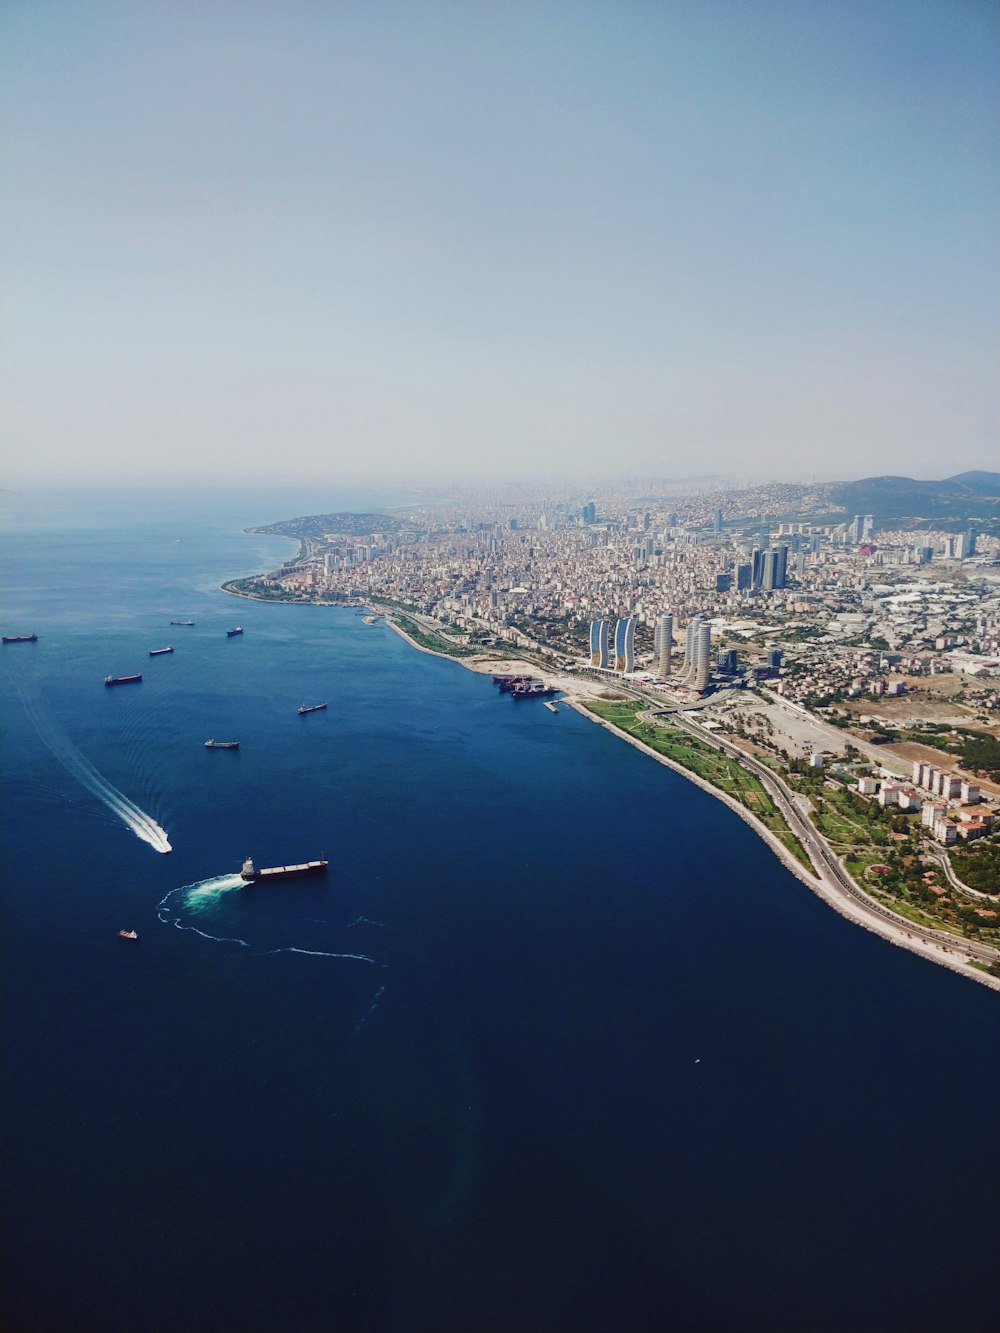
(557, 1044)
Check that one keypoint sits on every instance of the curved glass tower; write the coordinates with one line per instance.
(625, 644)
(600, 647)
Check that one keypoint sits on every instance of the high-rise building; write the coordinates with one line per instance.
(774, 659)
(867, 527)
(775, 567)
(600, 646)
(703, 656)
(727, 660)
(666, 643)
(757, 561)
(723, 582)
(625, 644)
(717, 521)
(965, 545)
(590, 512)
(857, 528)
(697, 653)
(744, 577)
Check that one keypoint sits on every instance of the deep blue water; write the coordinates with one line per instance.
(568, 1048)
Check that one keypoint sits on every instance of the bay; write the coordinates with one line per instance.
(557, 1045)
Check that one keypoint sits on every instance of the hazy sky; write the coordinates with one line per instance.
(313, 239)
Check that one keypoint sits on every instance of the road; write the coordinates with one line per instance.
(831, 871)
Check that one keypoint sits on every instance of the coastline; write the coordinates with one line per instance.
(818, 882)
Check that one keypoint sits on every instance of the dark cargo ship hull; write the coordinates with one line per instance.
(273, 873)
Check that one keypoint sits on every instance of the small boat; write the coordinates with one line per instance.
(158, 652)
(230, 633)
(182, 622)
(20, 638)
(129, 934)
(122, 680)
(222, 745)
(310, 708)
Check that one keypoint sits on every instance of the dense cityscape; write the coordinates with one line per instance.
(855, 661)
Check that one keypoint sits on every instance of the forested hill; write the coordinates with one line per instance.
(968, 499)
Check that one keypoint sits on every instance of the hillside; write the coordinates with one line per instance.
(967, 499)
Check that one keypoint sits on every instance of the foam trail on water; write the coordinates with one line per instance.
(220, 939)
(204, 893)
(320, 953)
(371, 1009)
(199, 896)
(59, 744)
(365, 921)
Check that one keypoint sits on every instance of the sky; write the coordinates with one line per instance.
(287, 240)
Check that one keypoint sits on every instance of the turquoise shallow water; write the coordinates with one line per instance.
(558, 1044)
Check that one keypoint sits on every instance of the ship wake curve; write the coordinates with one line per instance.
(79, 766)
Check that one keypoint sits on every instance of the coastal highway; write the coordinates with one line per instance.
(831, 871)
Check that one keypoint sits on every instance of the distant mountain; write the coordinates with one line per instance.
(970, 498)
(983, 483)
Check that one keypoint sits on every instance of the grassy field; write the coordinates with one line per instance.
(709, 764)
(435, 642)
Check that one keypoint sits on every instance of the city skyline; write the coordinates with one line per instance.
(435, 241)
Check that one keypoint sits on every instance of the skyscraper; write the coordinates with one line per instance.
(697, 653)
(666, 642)
(600, 647)
(625, 644)
(775, 567)
(703, 656)
(757, 561)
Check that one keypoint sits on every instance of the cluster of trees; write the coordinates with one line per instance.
(981, 754)
(978, 865)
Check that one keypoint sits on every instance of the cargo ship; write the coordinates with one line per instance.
(122, 680)
(533, 690)
(272, 873)
(158, 652)
(129, 934)
(511, 683)
(230, 633)
(20, 638)
(222, 745)
(310, 708)
(182, 622)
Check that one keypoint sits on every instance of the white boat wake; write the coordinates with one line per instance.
(78, 766)
(205, 894)
(199, 897)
